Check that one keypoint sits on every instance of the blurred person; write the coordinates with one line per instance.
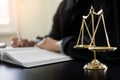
(66, 26)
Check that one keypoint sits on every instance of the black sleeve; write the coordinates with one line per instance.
(55, 32)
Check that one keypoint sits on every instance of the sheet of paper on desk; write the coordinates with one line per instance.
(31, 56)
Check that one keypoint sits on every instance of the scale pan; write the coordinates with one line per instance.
(102, 49)
(81, 46)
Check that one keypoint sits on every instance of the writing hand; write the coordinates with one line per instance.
(22, 42)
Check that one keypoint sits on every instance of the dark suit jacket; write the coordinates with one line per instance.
(67, 23)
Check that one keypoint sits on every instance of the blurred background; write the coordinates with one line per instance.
(32, 18)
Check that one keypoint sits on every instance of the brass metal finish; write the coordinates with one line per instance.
(94, 64)
(81, 46)
(102, 49)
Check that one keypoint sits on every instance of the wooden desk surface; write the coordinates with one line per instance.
(71, 70)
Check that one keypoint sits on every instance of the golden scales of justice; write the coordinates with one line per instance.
(94, 64)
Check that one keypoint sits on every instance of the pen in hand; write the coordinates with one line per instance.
(16, 41)
(19, 41)
(18, 35)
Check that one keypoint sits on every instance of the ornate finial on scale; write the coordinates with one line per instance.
(94, 64)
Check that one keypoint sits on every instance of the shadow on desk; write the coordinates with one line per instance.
(70, 70)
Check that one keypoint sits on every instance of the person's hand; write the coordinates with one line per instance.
(22, 43)
(49, 44)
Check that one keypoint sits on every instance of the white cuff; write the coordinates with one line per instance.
(60, 46)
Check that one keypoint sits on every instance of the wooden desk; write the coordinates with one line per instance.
(71, 70)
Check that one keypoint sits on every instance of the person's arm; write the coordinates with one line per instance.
(49, 44)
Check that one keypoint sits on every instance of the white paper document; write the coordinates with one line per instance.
(31, 56)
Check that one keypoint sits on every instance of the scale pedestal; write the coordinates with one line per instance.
(95, 64)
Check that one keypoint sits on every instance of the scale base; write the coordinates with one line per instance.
(95, 65)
